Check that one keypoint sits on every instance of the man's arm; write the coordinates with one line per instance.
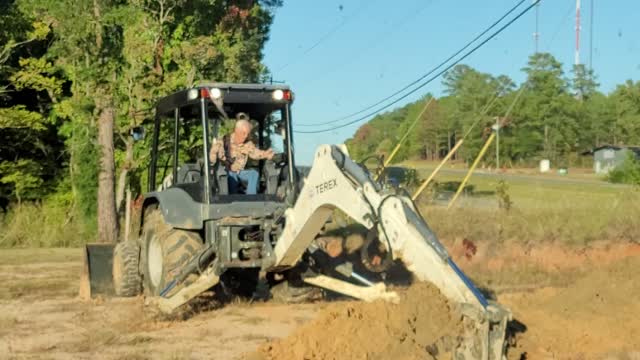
(217, 151)
(257, 154)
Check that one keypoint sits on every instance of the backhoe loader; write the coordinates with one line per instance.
(196, 235)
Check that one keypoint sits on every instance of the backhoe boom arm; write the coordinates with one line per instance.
(336, 182)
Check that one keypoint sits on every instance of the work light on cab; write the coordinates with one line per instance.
(215, 93)
(281, 95)
(192, 94)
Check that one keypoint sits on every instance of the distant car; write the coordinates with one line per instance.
(399, 176)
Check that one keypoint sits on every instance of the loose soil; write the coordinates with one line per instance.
(575, 303)
(595, 317)
(378, 330)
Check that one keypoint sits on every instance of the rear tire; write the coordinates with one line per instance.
(166, 251)
(126, 276)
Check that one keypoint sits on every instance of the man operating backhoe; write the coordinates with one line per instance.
(234, 150)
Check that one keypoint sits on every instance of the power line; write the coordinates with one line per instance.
(430, 72)
(376, 42)
(467, 54)
(567, 16)
(327, 35)
(484, 112)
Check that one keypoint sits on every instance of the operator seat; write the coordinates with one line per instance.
(188, 174)
(222, 179)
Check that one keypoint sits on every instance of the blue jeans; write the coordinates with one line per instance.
(249, 177)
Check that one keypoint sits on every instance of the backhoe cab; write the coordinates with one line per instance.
(188, 121)
(188, 208)
(190, 217)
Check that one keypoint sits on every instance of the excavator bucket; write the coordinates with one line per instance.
(96, 278)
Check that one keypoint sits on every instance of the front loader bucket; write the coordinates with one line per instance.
(96, 278)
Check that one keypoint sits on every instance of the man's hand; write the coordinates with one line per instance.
(269, 154)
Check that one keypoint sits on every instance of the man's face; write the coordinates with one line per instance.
(241, 133)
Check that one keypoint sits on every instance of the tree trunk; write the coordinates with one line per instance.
(547, 150)
(107, 219)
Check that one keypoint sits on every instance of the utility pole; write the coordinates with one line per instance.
(496, 128)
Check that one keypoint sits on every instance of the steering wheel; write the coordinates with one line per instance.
(279, 159)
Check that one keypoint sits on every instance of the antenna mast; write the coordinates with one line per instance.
(536, 34)
(591, 37)
(577, 32)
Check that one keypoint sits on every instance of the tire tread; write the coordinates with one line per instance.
(130, 282)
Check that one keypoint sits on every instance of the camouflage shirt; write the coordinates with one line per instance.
(239, 153)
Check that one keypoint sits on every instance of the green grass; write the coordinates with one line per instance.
(561, 210)
(41, 225)
(537, 188)
(570, 210)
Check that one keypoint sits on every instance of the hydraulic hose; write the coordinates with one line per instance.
(194, 265)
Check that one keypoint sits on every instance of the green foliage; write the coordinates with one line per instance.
(84, 171)
(626, 173)
(18, 117)
(541, 212)
(30, 153)
(626, 99)
(504, 199)
(584, 83)
(63, 61)
(55, 226)
(545, 108)
(38, 74)
(552, 117)
(22, 176)
(49, 222)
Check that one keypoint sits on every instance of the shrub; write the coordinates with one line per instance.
(47, 224)
(627, 173)
(502, 192)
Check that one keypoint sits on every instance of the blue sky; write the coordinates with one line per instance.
(340, 56)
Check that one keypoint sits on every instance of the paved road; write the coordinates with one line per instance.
(529, 178)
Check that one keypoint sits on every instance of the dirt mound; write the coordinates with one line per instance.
(378, 330)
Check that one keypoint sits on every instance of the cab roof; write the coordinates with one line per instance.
(232, 86)
(232, 94)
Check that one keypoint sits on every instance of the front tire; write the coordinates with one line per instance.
(166, 252)
(127, 281)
